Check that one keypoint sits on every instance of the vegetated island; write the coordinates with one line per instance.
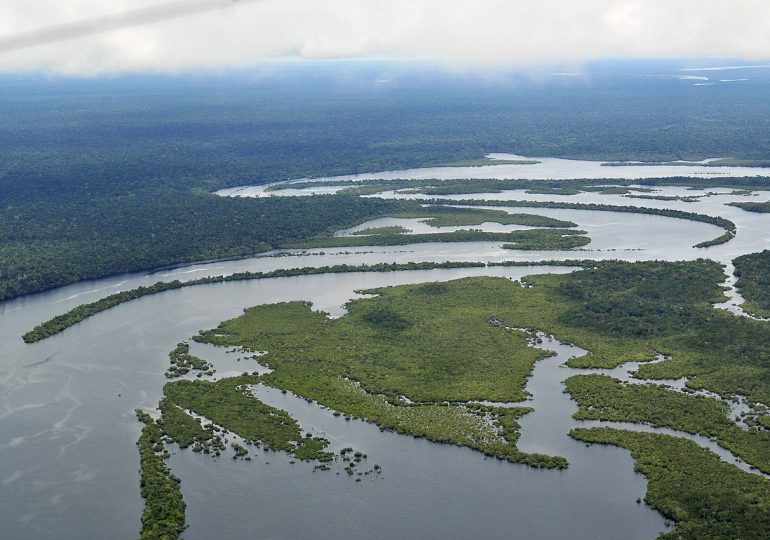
(703, 495)
(603, 186)
(530, 239)
(442, 346)
(483, 162)
(758, 207)
(81, 312)
(390, 229)
(164, 508)
(726, 224)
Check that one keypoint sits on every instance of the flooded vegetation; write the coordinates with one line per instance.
(463, 363)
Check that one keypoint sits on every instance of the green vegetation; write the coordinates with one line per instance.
(163, 516)
(432, 343)
(530, 239)
(663, 198)
(706, 497)
(73, 209)
(619, 312)
(488, 161)
(228, 404)
(449, 216)
(761, 207)
(182, 362)
(394, 229)
(186, 430)
(603, 398)
(87, 241)
(722, 239)
(753, 273)
(77, 314)
(603, 186)
(726, 224)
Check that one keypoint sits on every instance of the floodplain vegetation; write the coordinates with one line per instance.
(703, 495)
(753, 273)
(601, 397)
(603, 186)
(394, 229)
(449, 216)
(530, 239)
(416, 359)
(181, 362)
(59, 323)
(431, 343)
(164, 508)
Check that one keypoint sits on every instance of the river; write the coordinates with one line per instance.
(68, 460)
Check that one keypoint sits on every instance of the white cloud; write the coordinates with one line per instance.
(487, 32)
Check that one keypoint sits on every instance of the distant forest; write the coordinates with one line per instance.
(105, 176)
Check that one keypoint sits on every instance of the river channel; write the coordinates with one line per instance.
(68, 460)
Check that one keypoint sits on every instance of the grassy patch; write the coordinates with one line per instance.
(706, 497)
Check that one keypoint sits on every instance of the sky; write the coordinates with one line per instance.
(222, 34)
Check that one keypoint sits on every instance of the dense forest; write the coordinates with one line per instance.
(45, 245)
(753, 273)
(113, 175)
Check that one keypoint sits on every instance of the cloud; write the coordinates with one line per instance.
(490, 32)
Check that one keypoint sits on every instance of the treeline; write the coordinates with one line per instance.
(44, 246)
(530, 239)
(104, 177)
(753, 273)
(762, 208)
(72, 317)
(604, 186)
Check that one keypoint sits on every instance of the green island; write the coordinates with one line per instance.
(600, 397)
(227, 403)
(59, 323)
(449, 216)
(726, 224)
(758, 207)
(182, 362)
(603, 186)
(663, 197)
(489, 161)
(753, 273)
(164, 508)
(394, 229)
(417, 359)
(529, 239)
(435, 344)
(704, 496)
(79, 313)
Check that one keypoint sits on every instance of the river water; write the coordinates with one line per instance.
(68, 460)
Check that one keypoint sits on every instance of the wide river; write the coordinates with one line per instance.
(68, 459)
